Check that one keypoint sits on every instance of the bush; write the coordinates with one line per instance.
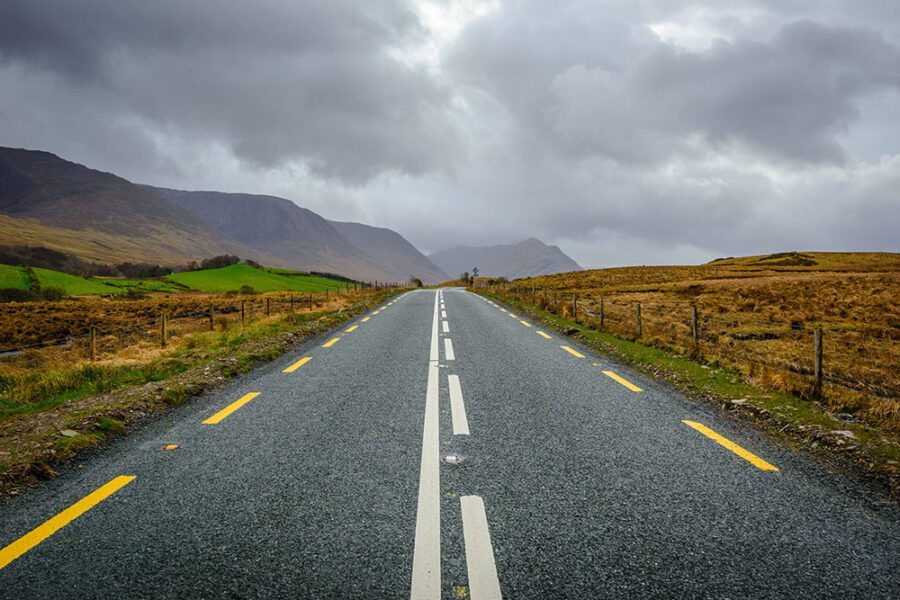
(53, 294)
(246, 289)
(17, 295)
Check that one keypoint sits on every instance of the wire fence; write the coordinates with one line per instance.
(106, 334)
(818, 357)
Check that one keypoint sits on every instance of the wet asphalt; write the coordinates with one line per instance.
(309, 490)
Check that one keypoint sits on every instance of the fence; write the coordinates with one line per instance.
(820, 357)
(159, 329)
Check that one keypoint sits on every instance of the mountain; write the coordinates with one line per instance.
(50, 202)
(513, 261)
(294, 235)
(390, 248)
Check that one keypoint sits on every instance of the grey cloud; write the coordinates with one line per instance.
(276, 81)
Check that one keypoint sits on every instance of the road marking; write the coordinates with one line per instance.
(483, 581)
(216, 418)
(426, 575)
(570, 351)
(349, 329)
(42, 532)
(457, 407)
(376, 312)
(365, 319)
(331, 342)
(525, 323)
(446, 327)
(503, 309)
(748, 456)
(623, 381)
(448, 349)
(443, 314)
(543, 334)
(512, 315)
(298, 364)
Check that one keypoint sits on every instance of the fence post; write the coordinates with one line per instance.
(268, 309)
(555, 303)
(601, 314)
(310, 302)
(638, 317)
(163, 332)
(575, 307)
(243, 310)
(212, 324)
(695, 333)
(818, 353)
(93, 343)
(532, 295)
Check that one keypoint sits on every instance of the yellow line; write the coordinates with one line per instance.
(525, 324)
(376, 312)
(331, 342)
(366, 319)
(349, 329)
(230, 408)
(570, 351)
(42, 532)
(297, 364)
(749, 456)
(623, 381)
(513, 316)
(543, 334)
(503, 309)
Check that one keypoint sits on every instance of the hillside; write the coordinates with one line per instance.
(297, 237)
(513, 261)
(392, 250)
(47, 201)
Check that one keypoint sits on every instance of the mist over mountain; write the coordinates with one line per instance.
(528, 258)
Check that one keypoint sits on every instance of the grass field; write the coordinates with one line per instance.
(145, 285)
(758, 315)
(233, 277)
(13, 277)
(74, 286)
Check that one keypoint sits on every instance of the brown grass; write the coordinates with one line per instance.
(758, 314)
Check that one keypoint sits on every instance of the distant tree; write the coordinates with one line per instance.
(217, 262)
(253, 263)
(466, 278)
(413, 280)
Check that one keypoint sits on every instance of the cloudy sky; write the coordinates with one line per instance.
(639, 132)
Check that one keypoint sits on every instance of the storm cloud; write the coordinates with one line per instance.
(627, 133)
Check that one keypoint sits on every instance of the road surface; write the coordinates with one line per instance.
(442, 446)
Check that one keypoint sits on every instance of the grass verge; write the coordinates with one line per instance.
(47, 418)
(800, 422)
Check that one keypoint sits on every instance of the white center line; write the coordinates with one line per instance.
(448, 349)
(443, 314)
(446, 327)
(426, 576)
(457, 407)
(483, 581)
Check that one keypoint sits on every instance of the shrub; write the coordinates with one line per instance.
(53, 293)
(17, 295)
(246, 289)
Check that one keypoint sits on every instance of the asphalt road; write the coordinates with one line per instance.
(444, 448)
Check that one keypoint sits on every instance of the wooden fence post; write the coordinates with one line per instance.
(243, 310)
(601, 314)
(637, 314)
(695, 333)
(93, 343)
(268, 308)
(575, 307)
(818, 353)
(163, 332)
(555, 303)
(212, 324)
(532, 295)
(310, 302)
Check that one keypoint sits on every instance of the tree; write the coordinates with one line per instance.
(413, 280)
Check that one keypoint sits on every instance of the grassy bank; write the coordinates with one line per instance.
(802, 422)
(48, 415)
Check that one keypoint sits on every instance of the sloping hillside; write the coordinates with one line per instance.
(525, 259)
(393, 251)
(47, 201)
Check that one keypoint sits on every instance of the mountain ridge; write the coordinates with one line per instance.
(528, 258)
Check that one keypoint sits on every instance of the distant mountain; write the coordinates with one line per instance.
(393, 250)
(294, 235)
(513, 261)
(50, 202)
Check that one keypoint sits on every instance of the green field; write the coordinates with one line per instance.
(232, 278)
(74, 286)
(13, 277)
(144, 285)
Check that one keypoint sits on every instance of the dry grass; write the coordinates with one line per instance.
(758, 314)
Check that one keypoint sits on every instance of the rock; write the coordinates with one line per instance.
(845, 433)
(846, 417)
(739, 401)
(69, 432)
